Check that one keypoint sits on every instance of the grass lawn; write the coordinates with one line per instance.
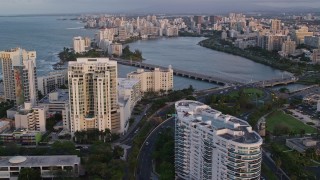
(251, 92)
(279, 117)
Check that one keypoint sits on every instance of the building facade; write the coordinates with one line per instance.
(32, 118)
(93, 95)
(211, 145)
(49, 166)
(51, 82)
(154, 81)
(288, 47)
(79, 44)
(19, 75)
(315, 58)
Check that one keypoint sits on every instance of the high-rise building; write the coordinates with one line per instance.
(275, 25)
(93, 94)
(79, 44)
(198, 19)
(299, 34)
(19, 75)
(211, 145)
(315, 58)
(155, 81)
(288, 47)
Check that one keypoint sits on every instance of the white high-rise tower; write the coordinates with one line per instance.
(93, 94)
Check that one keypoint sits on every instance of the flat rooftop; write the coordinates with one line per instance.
(31, 161)
(62, 96)
(127, 83)
(203, 115)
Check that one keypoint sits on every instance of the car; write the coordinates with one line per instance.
(147, 143)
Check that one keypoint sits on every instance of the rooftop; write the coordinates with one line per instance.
(225, 126)
(60, 95)
(127, 83)
(30, 161)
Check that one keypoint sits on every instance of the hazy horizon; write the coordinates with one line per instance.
(25, 7)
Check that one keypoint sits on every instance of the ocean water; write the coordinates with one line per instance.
(48, 36)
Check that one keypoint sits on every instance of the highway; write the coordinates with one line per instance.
(144, 169)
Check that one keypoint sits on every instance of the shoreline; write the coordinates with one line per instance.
(243, 55)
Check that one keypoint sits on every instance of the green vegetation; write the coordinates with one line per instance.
(236, 102)
(164, 154)
(280, 123)
(51, 121)
(104, 162)
(292, 162)
(284, 90)
(94, 135)
(4, 106)
(258, 55)
(29, 173)
(268, 172)
(68, 55)
(129, 55)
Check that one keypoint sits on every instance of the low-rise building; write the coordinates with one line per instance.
(301, 144)
(31, 117)
(21, 136)
(49, 166)
(58, 102)
(5, 125)
(154, 81)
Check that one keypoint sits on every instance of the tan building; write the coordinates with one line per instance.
(315, 56)
(19, 75)
(154, 81)
(301, 33)
(93, 95)
(288, 47)
(275, 25)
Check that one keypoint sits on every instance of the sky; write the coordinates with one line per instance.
(14, 7)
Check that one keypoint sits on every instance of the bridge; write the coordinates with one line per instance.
(227, 81)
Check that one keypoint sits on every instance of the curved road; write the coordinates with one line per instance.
(144, 170)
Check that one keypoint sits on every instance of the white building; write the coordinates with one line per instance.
(211, 145)
(19, 75)
(154, 81)
(129, 94)
(79, 44)
(130, 88)
(93, 95)
(30, 117)
(288, 47)
(51, 82)
(49, 166)
(58, 102)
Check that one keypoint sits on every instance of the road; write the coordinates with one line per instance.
(144, 169)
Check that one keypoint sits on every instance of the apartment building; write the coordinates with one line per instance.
(211, 145)
(51, 82)
(93, 95)
(154, 81)
(19, 75)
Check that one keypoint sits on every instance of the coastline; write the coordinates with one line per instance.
(243, 54)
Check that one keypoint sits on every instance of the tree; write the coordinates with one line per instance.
(117, 152)
(29, 174)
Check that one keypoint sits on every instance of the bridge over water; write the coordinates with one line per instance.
(209, 78)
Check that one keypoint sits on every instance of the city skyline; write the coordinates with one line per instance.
(14, 7)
